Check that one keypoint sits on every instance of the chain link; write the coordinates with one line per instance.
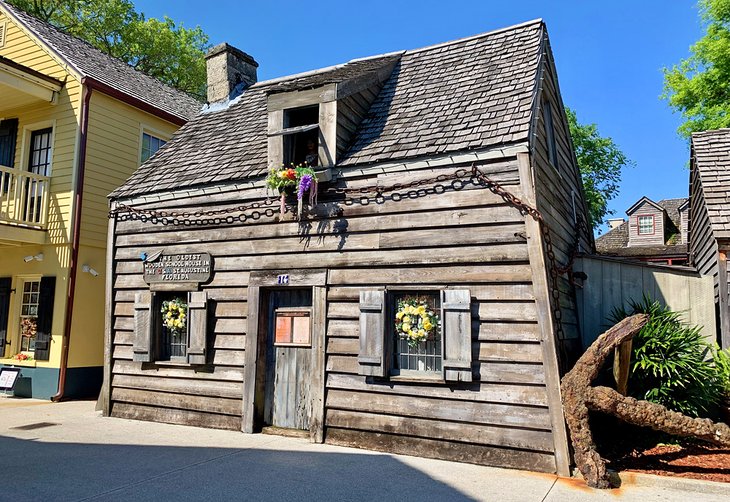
(362, 195)
(554, 269)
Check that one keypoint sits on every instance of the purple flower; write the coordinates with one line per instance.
(304, 184)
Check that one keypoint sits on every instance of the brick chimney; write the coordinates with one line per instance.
(230, 72)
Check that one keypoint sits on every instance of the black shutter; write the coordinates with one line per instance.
(5, 283)
(8, 136)
(45, 318)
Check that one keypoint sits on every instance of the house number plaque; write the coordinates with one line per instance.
(172, 268)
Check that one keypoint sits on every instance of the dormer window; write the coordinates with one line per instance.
(301, 136)
(646, 225)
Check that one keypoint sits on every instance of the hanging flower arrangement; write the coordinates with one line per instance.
(174, 316)
(300, 179)
(415, 322)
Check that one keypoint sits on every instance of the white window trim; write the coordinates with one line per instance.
(152, 131)
(16, 304)
(28, 130)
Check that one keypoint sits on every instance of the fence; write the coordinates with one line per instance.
(613, 282)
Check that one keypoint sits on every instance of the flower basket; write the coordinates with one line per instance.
(415, 322)
(295, 185)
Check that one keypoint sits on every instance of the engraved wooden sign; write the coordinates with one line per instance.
(181, 267)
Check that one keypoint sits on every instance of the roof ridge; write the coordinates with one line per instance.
(711, 132)
(402, 52)
(524, 24)
(17, 10)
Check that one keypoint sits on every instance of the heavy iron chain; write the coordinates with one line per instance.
(554, 268)
(258, 209)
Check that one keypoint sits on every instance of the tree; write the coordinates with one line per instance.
(600, 162)
(160, 48)
(699, 86)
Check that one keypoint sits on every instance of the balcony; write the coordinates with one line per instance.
(24, 198)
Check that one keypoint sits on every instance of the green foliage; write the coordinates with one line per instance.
(159, 48)
(600, 162)
(671, 362)
(722, 363)
(699, 86)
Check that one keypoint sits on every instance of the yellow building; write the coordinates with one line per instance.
(74, 124)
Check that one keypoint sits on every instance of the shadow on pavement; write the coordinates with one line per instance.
(34, 470)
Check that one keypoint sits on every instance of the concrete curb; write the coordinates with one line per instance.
(696, 486)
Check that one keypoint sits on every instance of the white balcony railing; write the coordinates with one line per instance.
(23, 198)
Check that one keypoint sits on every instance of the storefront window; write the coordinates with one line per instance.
(29, 315)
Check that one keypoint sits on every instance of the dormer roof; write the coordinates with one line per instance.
(642, 201)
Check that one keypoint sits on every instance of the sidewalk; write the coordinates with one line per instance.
(67, 451)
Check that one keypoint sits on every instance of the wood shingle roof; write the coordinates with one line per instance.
(464, 95)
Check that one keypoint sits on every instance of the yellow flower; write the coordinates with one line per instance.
(407, 319)
(427, 325)
(421, 333)
(406, 327)
(399, 315)
(421, 310)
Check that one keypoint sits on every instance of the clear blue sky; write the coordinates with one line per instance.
(609, 56)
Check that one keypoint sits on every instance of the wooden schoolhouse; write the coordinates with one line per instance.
(399, 294)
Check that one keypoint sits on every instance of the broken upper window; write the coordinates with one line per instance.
(301, 136)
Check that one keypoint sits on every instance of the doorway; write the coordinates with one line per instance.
(288, 358)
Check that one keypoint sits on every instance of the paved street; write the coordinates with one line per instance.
(67, 451)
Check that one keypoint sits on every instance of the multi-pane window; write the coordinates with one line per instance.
(29, 314)
(174, 324)
(39, 161)
(417, 333)
(150, 145)
(646, 225)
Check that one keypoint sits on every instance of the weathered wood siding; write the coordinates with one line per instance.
(612, 283)
(703, 247)
(559, 191)
(654, 239)
(465, 238)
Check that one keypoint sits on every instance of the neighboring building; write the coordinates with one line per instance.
(74, 124)
(655, 232)
(709, 230)
(291, 323)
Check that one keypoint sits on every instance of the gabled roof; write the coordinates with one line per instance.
(616, 241)
(711, 160)
(91, 63)
(468, 94)
(641, 201)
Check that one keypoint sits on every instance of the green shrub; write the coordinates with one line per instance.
(722, 363)
(672, 362)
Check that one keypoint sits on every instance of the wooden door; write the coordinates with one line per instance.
(287, 401)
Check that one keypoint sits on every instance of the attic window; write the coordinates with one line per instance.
(301, 136)
(3, 30)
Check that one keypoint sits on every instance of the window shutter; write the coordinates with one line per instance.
(197, 326)
(44, 321)
(143, 320)
(456, 325)
(5, 284)
(8, 137)
(372, 334)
